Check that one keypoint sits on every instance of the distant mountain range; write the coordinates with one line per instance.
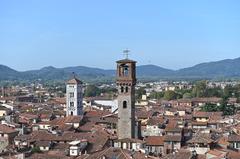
(229, 68)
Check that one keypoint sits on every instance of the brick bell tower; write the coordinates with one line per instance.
(126, 81)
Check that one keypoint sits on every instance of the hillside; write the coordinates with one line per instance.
(229, 68)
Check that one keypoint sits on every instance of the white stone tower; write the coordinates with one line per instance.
(74, 97)
(126, 81)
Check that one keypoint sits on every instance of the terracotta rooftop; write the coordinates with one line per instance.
(176, 138)
(110, 153)
(201, 138)
(217, 153)
(74, 80)
(233, 138)
(130, 140)
(62, 121)
(73, 119)
(182, 154)
(155, 140)
(207, 100)
(49, 155)
(233, 155)
(156, 121)
(6, 130)
(223, 141)
(201, 114)
(43, 143)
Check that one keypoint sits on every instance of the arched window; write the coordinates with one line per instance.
(126, 89)
(71, 113)
(122, 89)
(124, 70)
(124, 104)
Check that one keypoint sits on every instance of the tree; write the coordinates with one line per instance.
(226, 108)
(92, 91)
(170, 95)
(36, 150)
(199, 89)
(229, 110)
(187, 95)
(109, 90)
(227, 91)
(209, 107)
(214, 92)
(141, 91)
(156, 95)
(223, 107)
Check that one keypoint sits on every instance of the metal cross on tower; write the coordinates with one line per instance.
(126, 53)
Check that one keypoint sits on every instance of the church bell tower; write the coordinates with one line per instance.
(126, 81)
(74, 97)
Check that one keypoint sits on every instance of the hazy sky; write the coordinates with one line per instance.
(172, 34)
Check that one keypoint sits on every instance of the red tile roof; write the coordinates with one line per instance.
(74, 81)
(155, 141)
(234, 138)
(6, 130)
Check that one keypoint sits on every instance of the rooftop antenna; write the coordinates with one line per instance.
(73, 74)
(126, 53)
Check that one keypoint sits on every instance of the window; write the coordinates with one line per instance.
(124, 70)
(71, 95)
(238, 145)
(126, 89)
(124, 104)
(71, 104)
(122, 89)
(71, 113)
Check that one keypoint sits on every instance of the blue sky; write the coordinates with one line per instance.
(172, 34)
